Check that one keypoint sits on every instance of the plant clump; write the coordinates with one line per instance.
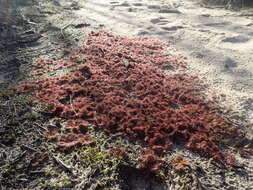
(180, 163)
(123, 90)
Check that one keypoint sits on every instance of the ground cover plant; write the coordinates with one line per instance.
(119, 85)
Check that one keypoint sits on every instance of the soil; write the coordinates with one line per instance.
(217, 43)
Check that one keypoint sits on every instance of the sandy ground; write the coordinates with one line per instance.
(217, 43)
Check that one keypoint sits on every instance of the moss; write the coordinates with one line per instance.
(6, 94)
(9, 171)
(31, 115)
(23, 99)
(50, 172)
(62, 181)
(106, 167)
(94, 157)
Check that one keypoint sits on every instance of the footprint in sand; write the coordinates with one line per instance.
(239, 42)
(153, 6)
(236, 39)
(217, 24)
(124, 4)
(137, 4)
(143, 33)
(159, 21)
(114, 2)
(230, 63)
(169, 10)
(172, 28)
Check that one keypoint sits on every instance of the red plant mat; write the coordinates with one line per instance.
(46, 65)
(122, 89)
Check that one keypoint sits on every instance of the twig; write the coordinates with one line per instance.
(15, 109)
(1, 144)
(209, 162)
(61, 163)
(40, 126)
(37, 172)
(18, 158)
(70, 100)
(27, 20)
(86, 179)
(29, 148)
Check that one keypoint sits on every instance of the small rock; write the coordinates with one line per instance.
(205, 15)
